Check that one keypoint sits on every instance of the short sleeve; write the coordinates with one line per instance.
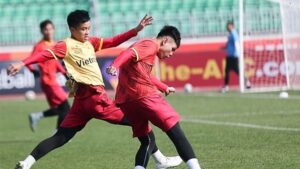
(37, 48)
(96, 42)
(58, 50)
(144, 49)
(235, 36)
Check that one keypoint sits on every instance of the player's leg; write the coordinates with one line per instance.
(61, 137)
(50, 112)
(75, 120)
(183, 146)
(145, 150)
(143, 131)
(62, 111)
(227, 71)
(36, 116)
(236, 69)
(52, 98)
(156, 154)
(235, 65)
(111, 113)
(162, 115)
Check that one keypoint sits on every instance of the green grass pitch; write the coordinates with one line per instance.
(227, 131)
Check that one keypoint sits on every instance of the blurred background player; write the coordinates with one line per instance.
(138, 97)
(55, 94)
(91, 100)
(232, 55)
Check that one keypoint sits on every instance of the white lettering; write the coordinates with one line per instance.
(21, 80)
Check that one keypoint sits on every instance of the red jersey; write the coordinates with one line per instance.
(135, 79)
(48, 69)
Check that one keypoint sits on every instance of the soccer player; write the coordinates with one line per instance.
(55, 94)
(91, 100)
(139, 99)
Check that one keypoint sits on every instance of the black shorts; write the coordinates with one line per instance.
(232, 63)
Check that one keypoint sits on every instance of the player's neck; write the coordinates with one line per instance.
(72, 37)
(48, 40)
(158, 41)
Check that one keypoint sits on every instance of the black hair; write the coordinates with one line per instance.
(44, 23)
(77, 17)
(230, 22)
(171, 31)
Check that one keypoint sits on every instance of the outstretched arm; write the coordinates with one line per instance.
(35, 50)
(31, 68)
(117, 40)
(58, 51)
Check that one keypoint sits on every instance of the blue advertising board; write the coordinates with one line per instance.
(24, 80)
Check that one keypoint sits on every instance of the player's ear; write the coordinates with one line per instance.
(165, 40)
(72, 29)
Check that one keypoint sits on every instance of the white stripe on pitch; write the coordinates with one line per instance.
(249, 96)
(242, 125)
(226, 114)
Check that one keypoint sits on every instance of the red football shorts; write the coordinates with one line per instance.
(91, 102)
(154, 109)
(55, 94)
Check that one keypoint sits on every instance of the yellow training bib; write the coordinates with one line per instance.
(81, 62)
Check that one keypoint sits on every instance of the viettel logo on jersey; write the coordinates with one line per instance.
(86, 62)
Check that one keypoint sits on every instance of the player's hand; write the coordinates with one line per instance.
(147, 20)
(14, 68)
(111, 70)
(170, 90)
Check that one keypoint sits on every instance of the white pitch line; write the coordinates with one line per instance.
(226, 114)
(243, 125)
(249, 96)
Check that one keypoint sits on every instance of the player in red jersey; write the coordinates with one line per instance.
(139, 99)
(91, 100)
(55, 94)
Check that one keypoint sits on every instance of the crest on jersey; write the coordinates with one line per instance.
(77, 50)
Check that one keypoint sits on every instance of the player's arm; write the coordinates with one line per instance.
(162, 86)
(33, 70)
(103, 43)
(57, 52)
(60, 68)
(124, 57)
(117, 40)
(128, 56)
(236, 42)
(31, 67)
(136, 53)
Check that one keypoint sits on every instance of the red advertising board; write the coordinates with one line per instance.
(203, 65)
(201, 69)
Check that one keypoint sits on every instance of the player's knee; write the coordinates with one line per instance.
(144, 141)
(63, 135)
(61, 138)
(148, 140)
